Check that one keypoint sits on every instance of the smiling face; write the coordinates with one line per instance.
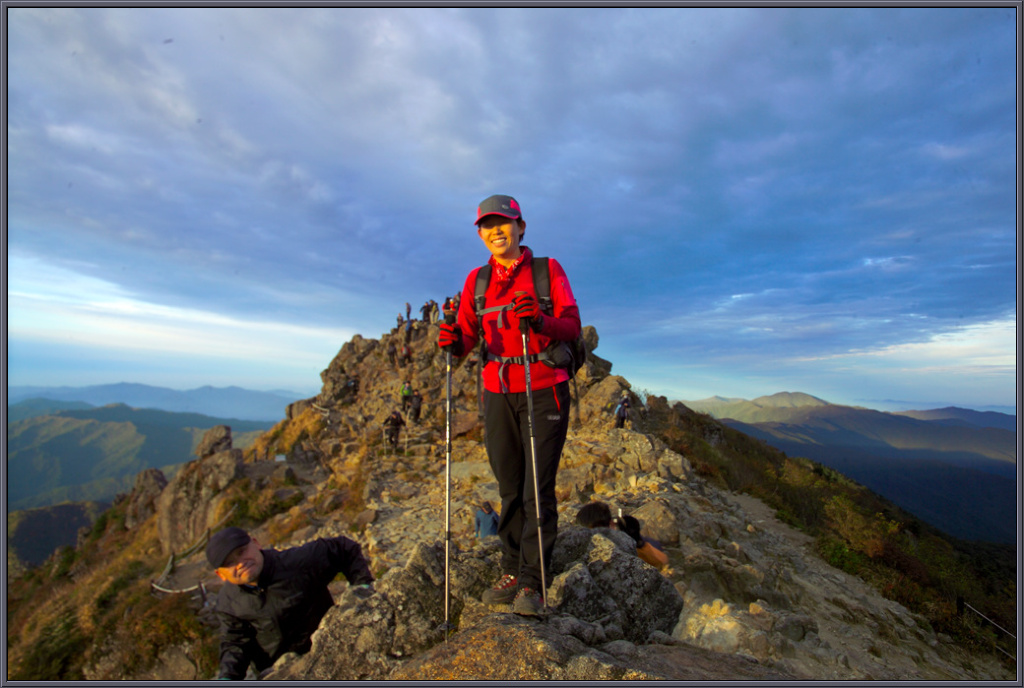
(244, 565)
(501, 235)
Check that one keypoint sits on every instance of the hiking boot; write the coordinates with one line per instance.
(503, 592)
(528, 602)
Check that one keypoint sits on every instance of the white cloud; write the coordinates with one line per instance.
(889, 263)
(49, 304)
(944, 151)
(988, 347)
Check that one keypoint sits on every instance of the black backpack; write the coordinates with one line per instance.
(559, 354)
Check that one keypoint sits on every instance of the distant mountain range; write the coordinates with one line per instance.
(954, 468)
(93, 454)
(221, 402)
(961, 417)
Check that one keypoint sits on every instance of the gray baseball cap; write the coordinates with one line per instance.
(506, 206)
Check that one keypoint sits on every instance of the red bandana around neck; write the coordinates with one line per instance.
(503, 274)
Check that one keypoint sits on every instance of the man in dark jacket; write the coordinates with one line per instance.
(415, 406)
(272, 601)
(393, 425)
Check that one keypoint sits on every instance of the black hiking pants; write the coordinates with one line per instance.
(507, 438)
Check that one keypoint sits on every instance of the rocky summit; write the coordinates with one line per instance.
(744, 597)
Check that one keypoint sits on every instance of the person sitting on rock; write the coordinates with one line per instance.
(599, 515)
(595, 515)
(486, 520)
(393, 425)
(647, 549)
(272, 601)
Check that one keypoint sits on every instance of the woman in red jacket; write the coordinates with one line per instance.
(510, 298)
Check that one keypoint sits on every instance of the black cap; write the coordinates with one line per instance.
(223, 543)
(506, 206)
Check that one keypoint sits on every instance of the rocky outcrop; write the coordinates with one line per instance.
(142, 502)
(601, 594)
(744, 596)
(216, 440)
(191, 502)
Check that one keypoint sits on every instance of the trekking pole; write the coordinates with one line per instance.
(449, 318)
(524, 327)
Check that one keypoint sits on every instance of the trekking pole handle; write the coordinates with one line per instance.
(449, 317)
(524, 324)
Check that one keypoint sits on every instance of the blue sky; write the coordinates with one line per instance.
(746, 200)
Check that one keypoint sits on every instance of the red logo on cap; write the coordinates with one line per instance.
(515, 206)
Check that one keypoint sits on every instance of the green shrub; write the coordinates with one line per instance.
(839, 555)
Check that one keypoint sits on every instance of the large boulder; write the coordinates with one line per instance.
(605, 582)
(142, 503)
(341, 379)
(190, 503)
(597, 404)
(658, 521)
(601, 592)
(216, 440)
(596, 368)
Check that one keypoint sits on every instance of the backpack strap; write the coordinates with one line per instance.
(542, 285)
(483, 278)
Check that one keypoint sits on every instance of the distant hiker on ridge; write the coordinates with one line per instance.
(406, 394)
(509, 300)
(272, 601)
(415, 404)
(393, 425)
(622, 410)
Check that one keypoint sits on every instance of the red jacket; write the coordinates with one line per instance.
(501, 328)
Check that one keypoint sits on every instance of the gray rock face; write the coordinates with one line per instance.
(143, 499)
(607, 584)
(190, 502)
(216, 440)
(603, 593)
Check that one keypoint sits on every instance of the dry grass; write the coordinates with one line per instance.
(283, 437)
(109, 597)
